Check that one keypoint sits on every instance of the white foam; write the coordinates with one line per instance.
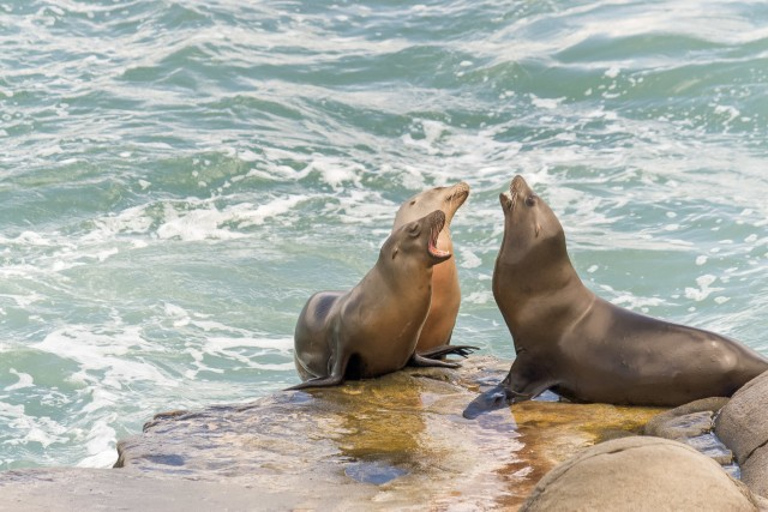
(134, 220)
(546, 103)
(100, 444)
(469, 259)
(704, 290)
(195, 225)
(95, 350)
(217, 344)
(27, 238)
(245, 214)
(25, 381)
(178, 314)
(481, 297)
(24, 301)
(247, 156)
(28, 429)
(631, 301)
(334, 171)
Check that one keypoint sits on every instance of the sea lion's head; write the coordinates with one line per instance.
(446, 199)
(532, 233)
(418, 240)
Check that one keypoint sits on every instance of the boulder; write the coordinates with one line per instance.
(693, 424)
(640, 473)
(743, 426)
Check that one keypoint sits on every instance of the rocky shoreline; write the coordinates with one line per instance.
(400, 442)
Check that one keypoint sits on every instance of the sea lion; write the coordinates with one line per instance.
(446, 294)
(373, 328)
(585, 348)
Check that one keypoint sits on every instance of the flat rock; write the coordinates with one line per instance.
(105, 490)
(640, 474)
(401, 435)
(398, 442)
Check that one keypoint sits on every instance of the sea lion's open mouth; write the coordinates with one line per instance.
(438, 222)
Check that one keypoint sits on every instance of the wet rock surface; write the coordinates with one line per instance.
(401, 436)
(694, 425)
(640, 473)
(398, 442)
(743, 426)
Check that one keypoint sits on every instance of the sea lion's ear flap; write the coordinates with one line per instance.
(538, 229)
(395, 251)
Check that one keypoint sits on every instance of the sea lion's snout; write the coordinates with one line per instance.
(518, 187)
(459, 192)
(518, 190)
(517, 182)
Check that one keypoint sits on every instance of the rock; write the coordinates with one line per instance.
(104, 490)
(636, 474)
(743, 426)
(401, 439)
(398, 442)
(693, 424)
(687, 421)
(754, 472)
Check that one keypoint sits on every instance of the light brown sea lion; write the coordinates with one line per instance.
(373, 328)
(584, 348)
(446, 294)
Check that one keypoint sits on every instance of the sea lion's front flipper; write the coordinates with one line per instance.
(444, 350)
(426, 362)
(524, 382)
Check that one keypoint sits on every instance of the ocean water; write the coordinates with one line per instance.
(177, 177)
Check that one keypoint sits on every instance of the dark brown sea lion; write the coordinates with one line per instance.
(373, 328)
(446, 294)
(584, 348)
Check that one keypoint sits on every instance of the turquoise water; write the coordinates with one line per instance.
(177, 177)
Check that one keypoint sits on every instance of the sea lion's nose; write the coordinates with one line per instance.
(518, 184)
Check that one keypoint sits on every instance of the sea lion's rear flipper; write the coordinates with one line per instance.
(319, 382)
(444, 350)
(336, 377)
(426, 362)
(524, 382)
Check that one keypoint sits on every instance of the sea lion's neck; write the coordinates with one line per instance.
(530, 279)
(409, 281)
(551, 292)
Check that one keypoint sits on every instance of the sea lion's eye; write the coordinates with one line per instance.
(414, 230)
(530, 200)
(413, 202)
